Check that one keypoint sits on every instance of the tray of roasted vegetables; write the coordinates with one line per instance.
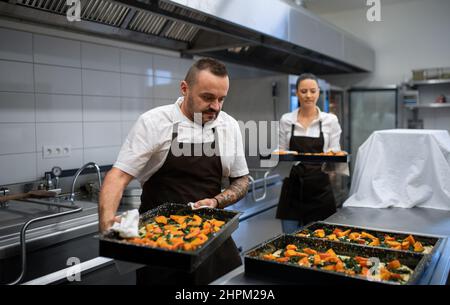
(314, 261)
(173, 236)
(372, 238)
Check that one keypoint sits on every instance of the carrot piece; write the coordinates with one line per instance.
(291, 247)
(310, 251)
(304, 262)
(319, 233)
(282, 259)
(418, 247)
(394, 264)
(161, 219)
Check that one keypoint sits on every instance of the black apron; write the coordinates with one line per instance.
(306, 195)
(184, 179)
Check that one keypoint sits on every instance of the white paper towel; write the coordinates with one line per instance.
(129, 224)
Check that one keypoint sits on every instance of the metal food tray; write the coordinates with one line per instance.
(111, 245)
(294, 273)
(307, 158)
(424, 239)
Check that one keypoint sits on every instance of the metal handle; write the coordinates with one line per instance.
(4, 191)
(23, 231)
(255, 199)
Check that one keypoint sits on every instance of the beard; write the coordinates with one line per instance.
(209, 115)
(206, 115)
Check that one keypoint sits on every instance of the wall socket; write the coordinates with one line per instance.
(56, 151)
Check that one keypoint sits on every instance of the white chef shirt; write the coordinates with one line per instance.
(147, 144)
(330, 128)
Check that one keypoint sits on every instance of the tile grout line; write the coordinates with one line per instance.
(120, 91)
(82, 102)
(35, 110)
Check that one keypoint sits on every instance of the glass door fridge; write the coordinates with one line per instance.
(370, 109)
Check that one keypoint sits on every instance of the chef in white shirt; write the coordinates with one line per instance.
(179, 153)
(306, 194)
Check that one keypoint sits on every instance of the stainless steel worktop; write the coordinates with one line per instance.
(64, 229)
(415, 220)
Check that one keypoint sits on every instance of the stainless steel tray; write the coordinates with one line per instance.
(294, 273)
(111, 245)
(308, 158)
(434, 241)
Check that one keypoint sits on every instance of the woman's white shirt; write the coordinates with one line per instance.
(330, 128)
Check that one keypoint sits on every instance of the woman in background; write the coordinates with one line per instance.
(306, 194)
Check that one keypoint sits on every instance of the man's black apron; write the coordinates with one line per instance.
(184, 179)
(306, 195)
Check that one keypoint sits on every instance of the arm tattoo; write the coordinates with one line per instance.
(237, 189)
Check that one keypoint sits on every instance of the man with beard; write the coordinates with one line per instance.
(178, 164)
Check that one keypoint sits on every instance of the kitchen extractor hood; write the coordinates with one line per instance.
(269, 34)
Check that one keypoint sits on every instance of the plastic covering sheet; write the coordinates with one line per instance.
(402, 168)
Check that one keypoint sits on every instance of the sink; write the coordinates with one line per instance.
(19, 212)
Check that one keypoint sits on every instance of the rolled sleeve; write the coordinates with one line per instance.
(137, 148)
(284, 134)
(238, 167)
(335, 135)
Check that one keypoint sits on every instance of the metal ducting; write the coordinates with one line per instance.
(266, 37)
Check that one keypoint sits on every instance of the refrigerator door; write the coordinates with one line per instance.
(371, 109)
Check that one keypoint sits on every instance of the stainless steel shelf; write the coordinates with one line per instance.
(429, 106)
(429, 82)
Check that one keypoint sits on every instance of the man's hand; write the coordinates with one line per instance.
(237, 190)
(106, 225)
(113, 185)
(212, 203)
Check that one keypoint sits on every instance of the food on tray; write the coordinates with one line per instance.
(177, 232)
(330, 153)
(365, 267)
(360, 237)
(285, 152)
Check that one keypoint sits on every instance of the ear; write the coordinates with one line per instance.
(184, 87)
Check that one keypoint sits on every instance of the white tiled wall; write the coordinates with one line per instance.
(19, 46)
(59, 91)
(56, 51)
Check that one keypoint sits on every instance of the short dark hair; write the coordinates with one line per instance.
(306, 76)
(212, 65)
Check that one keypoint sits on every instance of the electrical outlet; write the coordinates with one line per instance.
(56, 151)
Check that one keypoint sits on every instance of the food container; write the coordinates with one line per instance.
(427, 241)
(111, 245)
(309, 158)
(287, 272)
(418, 75)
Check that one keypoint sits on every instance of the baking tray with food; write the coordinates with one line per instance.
(292, 156)
(399, 241)
(173, 236)
(313, 261)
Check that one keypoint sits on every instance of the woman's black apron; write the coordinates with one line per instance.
(184, 179)
(306, 195)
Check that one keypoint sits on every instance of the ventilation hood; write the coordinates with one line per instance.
(269, 34)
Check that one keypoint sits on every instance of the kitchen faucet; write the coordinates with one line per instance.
(75, 177)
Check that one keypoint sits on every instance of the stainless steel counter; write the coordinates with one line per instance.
(415, 220)
(62, 230)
